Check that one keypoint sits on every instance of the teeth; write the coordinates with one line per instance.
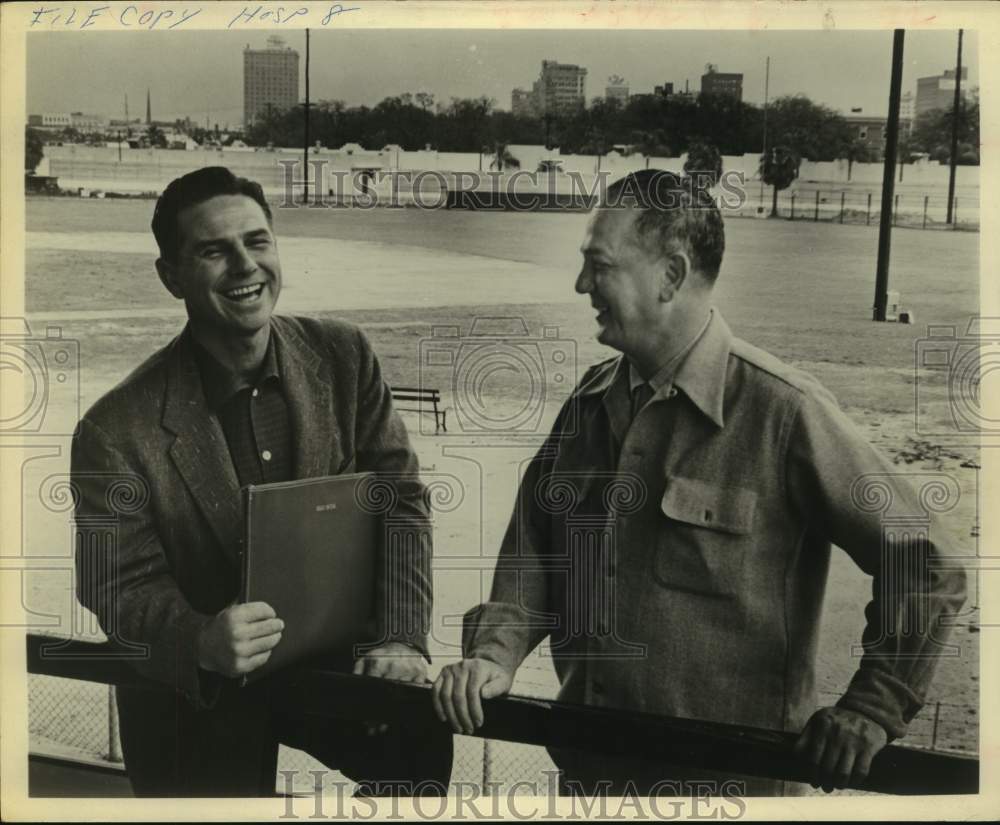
(243, 291)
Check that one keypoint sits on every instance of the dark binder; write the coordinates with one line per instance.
(310, 551)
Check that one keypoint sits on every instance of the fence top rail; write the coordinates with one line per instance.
(712, 745)
(416, 391)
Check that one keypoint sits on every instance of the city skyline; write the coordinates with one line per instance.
(469, 63)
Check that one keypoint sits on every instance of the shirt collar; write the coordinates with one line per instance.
(663, 378)
(220, 384)
(701, 374)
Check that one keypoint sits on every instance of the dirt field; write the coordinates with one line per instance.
(802, 291)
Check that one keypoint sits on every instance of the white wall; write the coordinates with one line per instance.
(98, 167)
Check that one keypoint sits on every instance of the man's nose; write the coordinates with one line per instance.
(242, 262)
(584, 281)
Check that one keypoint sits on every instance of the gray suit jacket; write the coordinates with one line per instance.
(158, 506)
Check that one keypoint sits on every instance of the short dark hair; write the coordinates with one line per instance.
(194, 188)
(675, 210)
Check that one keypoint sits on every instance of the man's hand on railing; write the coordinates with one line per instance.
(840, 744)
(461, 687)
(393, 660)
(239, 639)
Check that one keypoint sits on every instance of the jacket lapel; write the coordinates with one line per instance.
(199, 451)
(310, 402)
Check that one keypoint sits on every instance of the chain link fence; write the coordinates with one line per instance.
(911, 210)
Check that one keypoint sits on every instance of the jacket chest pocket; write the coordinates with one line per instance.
(704, 536)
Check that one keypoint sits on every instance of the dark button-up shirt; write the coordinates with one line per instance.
(254, 417)
(677, 562)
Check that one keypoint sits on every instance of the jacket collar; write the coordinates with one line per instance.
(200, 452)
(701, 376)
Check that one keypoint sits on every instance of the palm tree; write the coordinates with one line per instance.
(705, 161)
(502, 157)
(778, 168)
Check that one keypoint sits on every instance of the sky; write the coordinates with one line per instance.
(199, 73)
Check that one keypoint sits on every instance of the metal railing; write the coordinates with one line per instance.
(710, 745)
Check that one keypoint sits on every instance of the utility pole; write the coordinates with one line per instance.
(305, 149)
(955, 113)
(767, 83)
(888, 180)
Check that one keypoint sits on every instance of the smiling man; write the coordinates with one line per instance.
(685, 573)
(239, 397)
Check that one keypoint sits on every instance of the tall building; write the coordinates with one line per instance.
(714, 82)
(937, 92)
(666, 90)
(560, 88)
(617, 89)
(270, 79)
(906, 106)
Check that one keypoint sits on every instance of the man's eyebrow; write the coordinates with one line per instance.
(208, 242)
(598, 252)
(253, 233)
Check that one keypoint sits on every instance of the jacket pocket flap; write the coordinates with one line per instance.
(701, 503)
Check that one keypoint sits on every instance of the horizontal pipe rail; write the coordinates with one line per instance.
(692, 743)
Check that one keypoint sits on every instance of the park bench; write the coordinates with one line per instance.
(421, 398)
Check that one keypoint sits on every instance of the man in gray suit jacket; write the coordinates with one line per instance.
(239, 397)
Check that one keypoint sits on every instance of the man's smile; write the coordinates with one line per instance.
(244, 294)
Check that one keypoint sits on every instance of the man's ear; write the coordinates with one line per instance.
(676, 269)
(168, 277)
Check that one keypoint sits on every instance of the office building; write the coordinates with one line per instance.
(560, 88)
(937, 92)
(714, 82)
(270, 80)
(666, 90)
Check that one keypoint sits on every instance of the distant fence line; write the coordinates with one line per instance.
(910, 209)
(152, 169)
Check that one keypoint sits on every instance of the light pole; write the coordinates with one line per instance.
(305, 147)
(955, 111)
(888, 180)
(767, 82)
